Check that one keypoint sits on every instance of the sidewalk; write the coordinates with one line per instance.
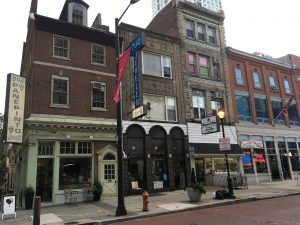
(103, 212)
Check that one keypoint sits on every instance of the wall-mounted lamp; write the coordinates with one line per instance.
(155, 148)
(148, 156)
(133, 147)
(170, 156)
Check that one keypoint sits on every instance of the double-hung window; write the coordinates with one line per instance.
(256, 79)
(157, 65)
(77, 14)
(292, 111)
(163, 108)
(98, 54)
(189, 26)
(192, 64)
(98, 95)
(287, 87)
(272, 82)
(199, 104)
(203, 66)
(60, 91)
(212, 35)
(60, 47)
(239, 75)
(216, 67)
(276, 109)
(201, 31)
(261, 109)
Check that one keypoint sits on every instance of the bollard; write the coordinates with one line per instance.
(145, 201)
(37, 210)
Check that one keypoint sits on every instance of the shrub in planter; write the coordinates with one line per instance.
(98, 189)
(195, 190)
(28, 193)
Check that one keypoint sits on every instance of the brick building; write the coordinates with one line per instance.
(205, 81)
(157, 144)
(261, 86)
(69, 139)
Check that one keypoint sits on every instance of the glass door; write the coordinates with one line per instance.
(44, 178)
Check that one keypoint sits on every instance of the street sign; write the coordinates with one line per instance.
(209, 125)
(224, 144)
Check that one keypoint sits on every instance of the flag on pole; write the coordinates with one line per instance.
(122, 65)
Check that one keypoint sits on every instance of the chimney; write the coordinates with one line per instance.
(97, 22)
(33, 7)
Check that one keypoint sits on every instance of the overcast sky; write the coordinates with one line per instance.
(267, 26)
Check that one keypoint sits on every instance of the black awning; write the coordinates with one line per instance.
(208, 148)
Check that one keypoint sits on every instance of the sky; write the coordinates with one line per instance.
(266, 26)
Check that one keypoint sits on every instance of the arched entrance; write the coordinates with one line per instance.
(136, 157)
(107, 170)
(178, 158)
(159, 158)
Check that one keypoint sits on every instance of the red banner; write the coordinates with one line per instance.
(122, 65)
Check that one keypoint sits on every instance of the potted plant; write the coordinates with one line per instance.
(28, 193)
(195, 190)
(97, 190)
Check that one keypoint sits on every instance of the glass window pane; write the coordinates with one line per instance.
(152, 64)
(238, 76)
(243, 107)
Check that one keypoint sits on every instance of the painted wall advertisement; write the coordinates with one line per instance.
(14, 111)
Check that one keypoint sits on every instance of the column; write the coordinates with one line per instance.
(289, 159)
(254, 166)
(278, 157)
(267, 160)
(31, 164)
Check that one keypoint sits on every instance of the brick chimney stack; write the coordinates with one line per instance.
(33, 7)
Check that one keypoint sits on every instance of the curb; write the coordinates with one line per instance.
(213, 205)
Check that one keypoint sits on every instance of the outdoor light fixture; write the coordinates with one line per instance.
(148, 156)
(170, 156)
(121, 210)
(221, 115)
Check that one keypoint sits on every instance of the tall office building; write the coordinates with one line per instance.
(213, 5)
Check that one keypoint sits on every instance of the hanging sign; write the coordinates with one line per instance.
(252, 144)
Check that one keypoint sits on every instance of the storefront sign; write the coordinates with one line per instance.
(224, 144)
(14, 110)
(139, 112)
(209, 125)
(8, 205)
(158, 184)
(252, 144)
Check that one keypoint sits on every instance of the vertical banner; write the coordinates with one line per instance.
(14, 108)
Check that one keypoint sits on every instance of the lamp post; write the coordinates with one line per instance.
(121, 210)
(221, 115)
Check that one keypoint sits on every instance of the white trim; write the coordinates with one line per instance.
(105, 100)
(53, 46)
(104, 50)
(68, 91)
(73, 68)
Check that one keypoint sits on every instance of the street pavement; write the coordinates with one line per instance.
(103, 212)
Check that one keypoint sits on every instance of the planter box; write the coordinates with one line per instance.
(194, 196)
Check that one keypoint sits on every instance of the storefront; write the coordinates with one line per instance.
(207, 158)
(156, 157)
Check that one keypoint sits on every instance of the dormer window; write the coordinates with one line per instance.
(77, 14)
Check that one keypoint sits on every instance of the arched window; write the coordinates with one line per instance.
(109, 156)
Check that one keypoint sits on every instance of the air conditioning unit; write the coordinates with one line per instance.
(98, 86)
(218, 94)
(19, 159)
(216, 60)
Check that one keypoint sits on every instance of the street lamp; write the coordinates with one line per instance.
(221, 115)
(121, 210)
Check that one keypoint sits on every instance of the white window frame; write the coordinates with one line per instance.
(78, 17)
(53, 48)
(105, 94)
(288, 89)
(214, 33)
(104, 54)
(166, 104)
(76, 149)
(55, 77)
(161, 64)
(193, 28)
(257, 84)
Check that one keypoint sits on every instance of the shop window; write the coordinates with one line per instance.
(67, 147)
(85, 147)
(243, 107)
(260, 160)
(220, 165)
(74, 172)
(247, 162)
(45, 149)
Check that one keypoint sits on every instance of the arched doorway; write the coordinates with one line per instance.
(159, 158)
(107, 170)
(178, 158)
(136, 157)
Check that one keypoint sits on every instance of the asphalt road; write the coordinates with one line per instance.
(277, 211)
